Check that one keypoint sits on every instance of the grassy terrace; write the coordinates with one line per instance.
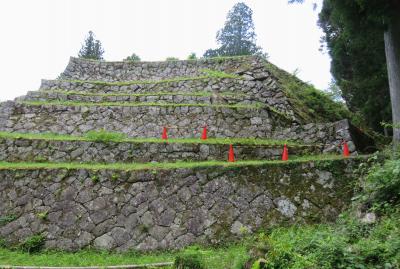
(215, 258)
(102, 136)
(164, 166)
(161, 93)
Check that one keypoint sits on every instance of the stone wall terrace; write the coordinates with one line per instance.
(168, 209)
(41, 150)
(142, 121)
(122, 71)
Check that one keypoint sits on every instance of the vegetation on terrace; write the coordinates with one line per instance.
(231, 256)
(169, 165)
(310, 104)
(104, 136)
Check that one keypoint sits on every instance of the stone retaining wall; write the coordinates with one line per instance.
(167, 209)
(147, 121)
(173, 99)
(266, 91)
(119, 71)
(16, 150)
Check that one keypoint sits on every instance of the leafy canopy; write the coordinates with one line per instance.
(237, 37)
(92, 48)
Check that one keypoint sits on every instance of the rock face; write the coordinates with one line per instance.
(148, 210)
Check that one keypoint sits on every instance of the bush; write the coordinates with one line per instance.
(188, 261)
(383, 183)
(33, 243)
(104, 136)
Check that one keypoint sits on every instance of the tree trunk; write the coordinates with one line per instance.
(392, 50)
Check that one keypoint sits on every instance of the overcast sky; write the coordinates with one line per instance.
(38, 37)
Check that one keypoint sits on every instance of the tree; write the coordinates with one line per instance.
(358, 65)
(237, 37)
(383, 15)
(192, 56)
(133, 58)
(92, 48)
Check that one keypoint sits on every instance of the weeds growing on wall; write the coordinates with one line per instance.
(353, 241)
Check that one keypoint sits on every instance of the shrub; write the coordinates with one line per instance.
(33, 243)
(104, 136)
(384, 182)
(188, 261)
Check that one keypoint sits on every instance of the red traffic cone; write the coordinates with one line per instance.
(164, 134)
(231, 155)
(285, 154)
(346, 152)
(204, 134)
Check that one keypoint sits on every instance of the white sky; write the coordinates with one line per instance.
(39, 36)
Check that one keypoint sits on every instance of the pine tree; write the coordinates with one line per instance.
(237, 37)
(92, 48)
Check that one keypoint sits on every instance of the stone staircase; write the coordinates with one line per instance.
(135, 190)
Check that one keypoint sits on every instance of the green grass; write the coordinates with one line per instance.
(214, 258)
(141, 104)
(309, 103)
(160, 93)
(163, 166)
(120, 137)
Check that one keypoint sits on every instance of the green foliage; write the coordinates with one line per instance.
(354, 39)
(33, 243)
(7, 219)
(188, 261)
(104, 136)
(238, 36)
(172, 59)
(95, 179)
(192, 56)
(228, 257)
(383, 183)
(218, 74)
(92, 48)
(43, 215)
(350, 242)
(310, 104)
(132, 58)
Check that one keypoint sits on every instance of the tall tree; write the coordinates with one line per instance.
(92, 48)
(237, 37)
(383, 15)
(358, 65)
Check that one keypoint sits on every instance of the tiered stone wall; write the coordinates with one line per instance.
(144, 121)
(159, 209)
(15, 150)
(122, 71)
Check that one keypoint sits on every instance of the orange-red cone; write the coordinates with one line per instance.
(204, 134)
(231, 155)
(285, 154)
(164, 134)
(346, 152)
